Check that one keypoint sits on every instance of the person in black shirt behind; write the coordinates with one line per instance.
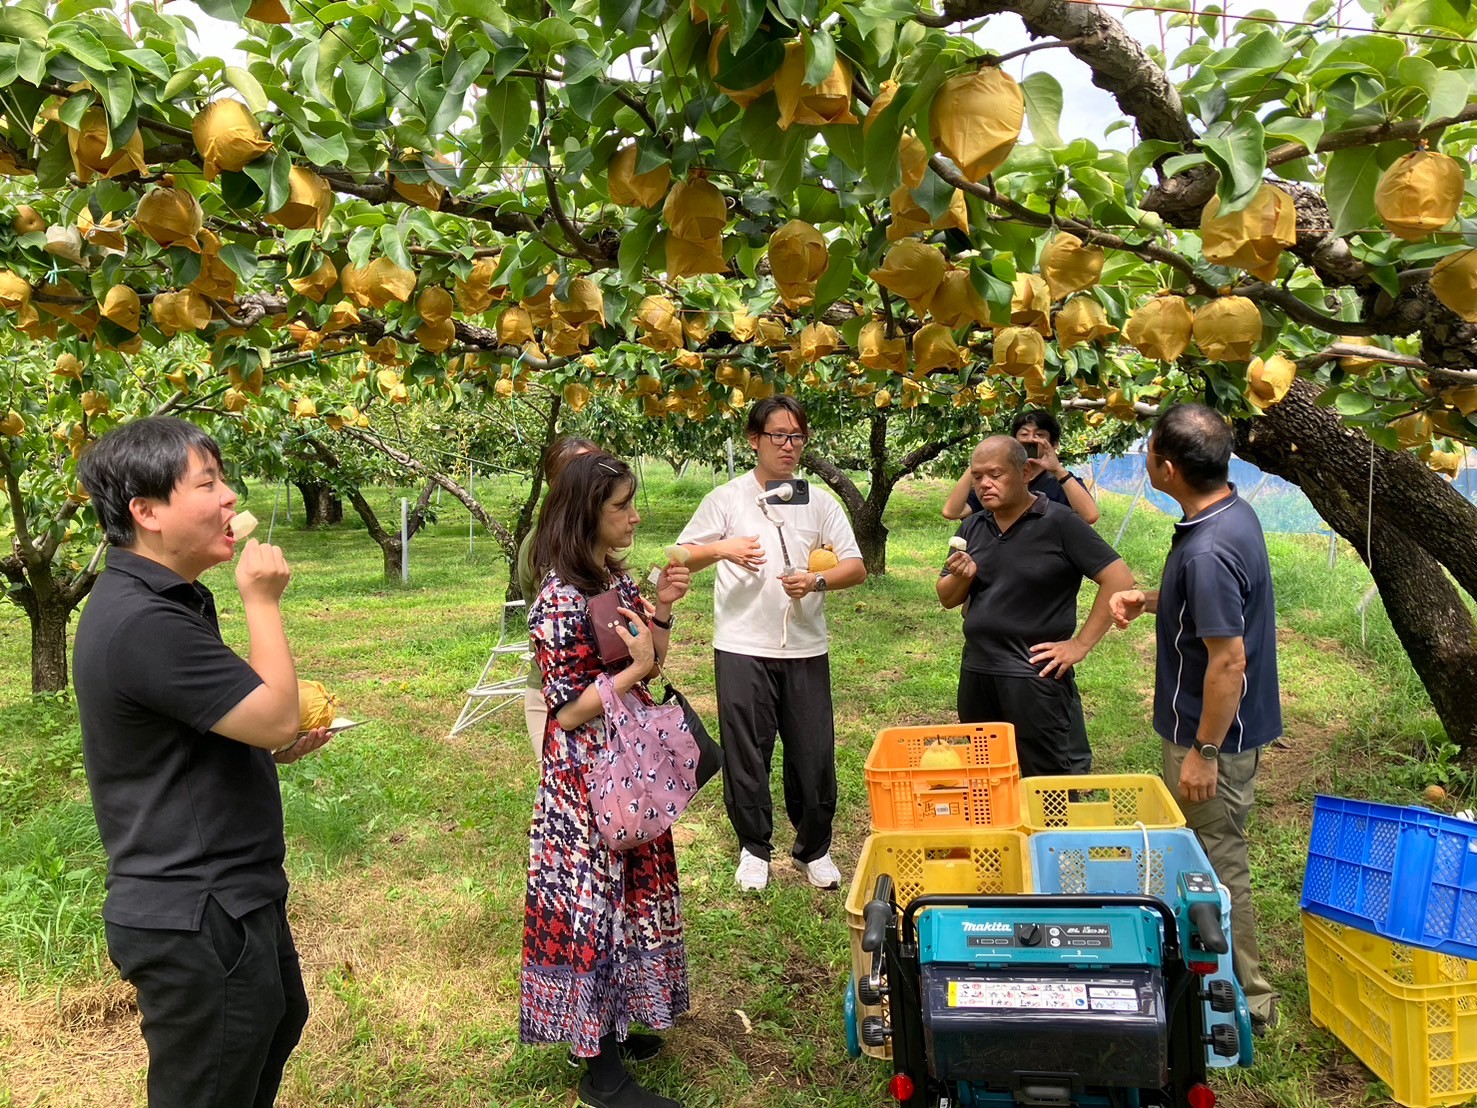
(1044, 471)
(1024, 560)
(181, 739)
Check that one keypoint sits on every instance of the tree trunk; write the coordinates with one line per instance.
(49, 646)
(1414, 529)
(321, 504)
(524, 523)
(389, 541)
(871, 536)
(392, 547)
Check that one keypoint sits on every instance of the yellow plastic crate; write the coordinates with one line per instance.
(1408, 1014)
(1097, 800)
(963, 860)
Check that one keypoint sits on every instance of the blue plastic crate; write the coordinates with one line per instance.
(1106, 862)
(1408, 874)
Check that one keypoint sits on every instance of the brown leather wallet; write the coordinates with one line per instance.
(604, 617)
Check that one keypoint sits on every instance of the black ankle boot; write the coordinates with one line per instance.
(628, 1094)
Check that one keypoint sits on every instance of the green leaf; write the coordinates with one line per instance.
(116, 89)
(820, 57)
(186, 77)
(995, 292)
(147, 61)
(82, 44)
(506, 108)
(332, 48)
(23, 24)
(1353, 403)
(392, 239)
(272, 174)
(785, 172)
(249, 87)
(1296, 128)
(1141, 157)
(837, 278)
(322, 149)
(1349, 188)
(238, 191)
(743, 20)
(1238, 150)
(240, 260)
(460, 70)
(1043, 107)
(75, 108)
(1446, 91)
(934, 195)
(619, 16)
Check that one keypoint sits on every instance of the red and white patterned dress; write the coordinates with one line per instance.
(602, 933)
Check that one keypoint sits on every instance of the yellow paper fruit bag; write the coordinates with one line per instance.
(1069, 266)
(976, 120)
(1253, 238)
(1228, 329)
(227, 136)
(1419, 193)
(1160, 328)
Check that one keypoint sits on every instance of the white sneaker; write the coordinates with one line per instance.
(822, 873)
(753, 872)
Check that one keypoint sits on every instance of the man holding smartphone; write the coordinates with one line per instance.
(1024, 560)
(1040, 433)
(770, 657)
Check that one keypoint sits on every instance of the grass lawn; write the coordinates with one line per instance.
(408, 853)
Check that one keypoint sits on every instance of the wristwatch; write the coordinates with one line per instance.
(1209, 751)
(664, 624)
(820, 583)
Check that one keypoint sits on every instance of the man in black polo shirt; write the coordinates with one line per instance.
(180, 740)
(1044, 472)
(1024, 560)
(1216, 701)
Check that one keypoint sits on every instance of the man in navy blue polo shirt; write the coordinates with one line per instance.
(1216, 701)
(181, 738)
(1024, 561)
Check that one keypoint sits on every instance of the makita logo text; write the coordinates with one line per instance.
(987, 928)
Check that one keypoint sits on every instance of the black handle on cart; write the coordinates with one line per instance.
(876, 914)
(1207, 920)
(1030, 900)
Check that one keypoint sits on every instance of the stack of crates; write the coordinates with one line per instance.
(950, 826)
(1390, 936)
(951, 814)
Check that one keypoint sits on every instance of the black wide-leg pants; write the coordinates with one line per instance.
(222, 1007)
(757, 699)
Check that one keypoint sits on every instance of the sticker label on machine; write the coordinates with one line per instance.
(1042, 996)
(1089, 936)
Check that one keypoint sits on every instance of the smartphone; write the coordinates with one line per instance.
(1033, 449)
(802, 491)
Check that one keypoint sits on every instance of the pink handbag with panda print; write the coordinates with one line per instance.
(645, 774)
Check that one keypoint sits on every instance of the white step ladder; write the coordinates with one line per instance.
(491, 692)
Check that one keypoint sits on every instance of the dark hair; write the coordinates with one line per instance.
(569, 522)
(1198, 440)
(1036, 417)
(761, 411)
(565, 447)
(147, 457)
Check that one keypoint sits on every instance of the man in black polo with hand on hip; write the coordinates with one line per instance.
(1024, 560)
(181, 739)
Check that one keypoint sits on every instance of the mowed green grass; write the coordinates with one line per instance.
(408, 850)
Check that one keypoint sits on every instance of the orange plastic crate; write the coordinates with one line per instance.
(982, 791)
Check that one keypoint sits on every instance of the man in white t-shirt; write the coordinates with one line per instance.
(769, 643)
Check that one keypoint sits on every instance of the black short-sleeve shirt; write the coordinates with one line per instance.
(1025, 585)
(1044, 483)
(1217, 585)
(183, 813)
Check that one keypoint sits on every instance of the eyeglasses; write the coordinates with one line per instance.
(779, 438)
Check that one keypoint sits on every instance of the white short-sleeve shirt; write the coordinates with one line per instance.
(749, 606)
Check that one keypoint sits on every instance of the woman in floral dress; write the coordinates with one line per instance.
(602, 939)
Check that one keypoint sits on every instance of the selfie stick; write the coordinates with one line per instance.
(779, 492)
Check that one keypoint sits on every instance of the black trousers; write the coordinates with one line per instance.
(222, 1007)
(758, 697)
(1050, 731)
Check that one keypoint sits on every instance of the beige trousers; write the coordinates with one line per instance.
(1220, 825)
(535, 714)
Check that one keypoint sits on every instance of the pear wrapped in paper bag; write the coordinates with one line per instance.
(1070, 266)
(912, 270)
(934, 348)
(631, 189)
(316, 706)
(1082, 321)
(1160, 328)
(1018, 351)
(797, 259)
(1269, 381)
(876, 351)
(309, 200)
(976, 120)
(743, 97)
(227, 136)
(819, 105)
(171, 217)
(377, 284)
(1253, 238)
(1030, 303)
(92, 155)
(316, 285)
(1228, 329)
(1419, 193)
(1454, 281)
(659, 324)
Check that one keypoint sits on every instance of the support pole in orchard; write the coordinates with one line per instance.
(404, 541)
